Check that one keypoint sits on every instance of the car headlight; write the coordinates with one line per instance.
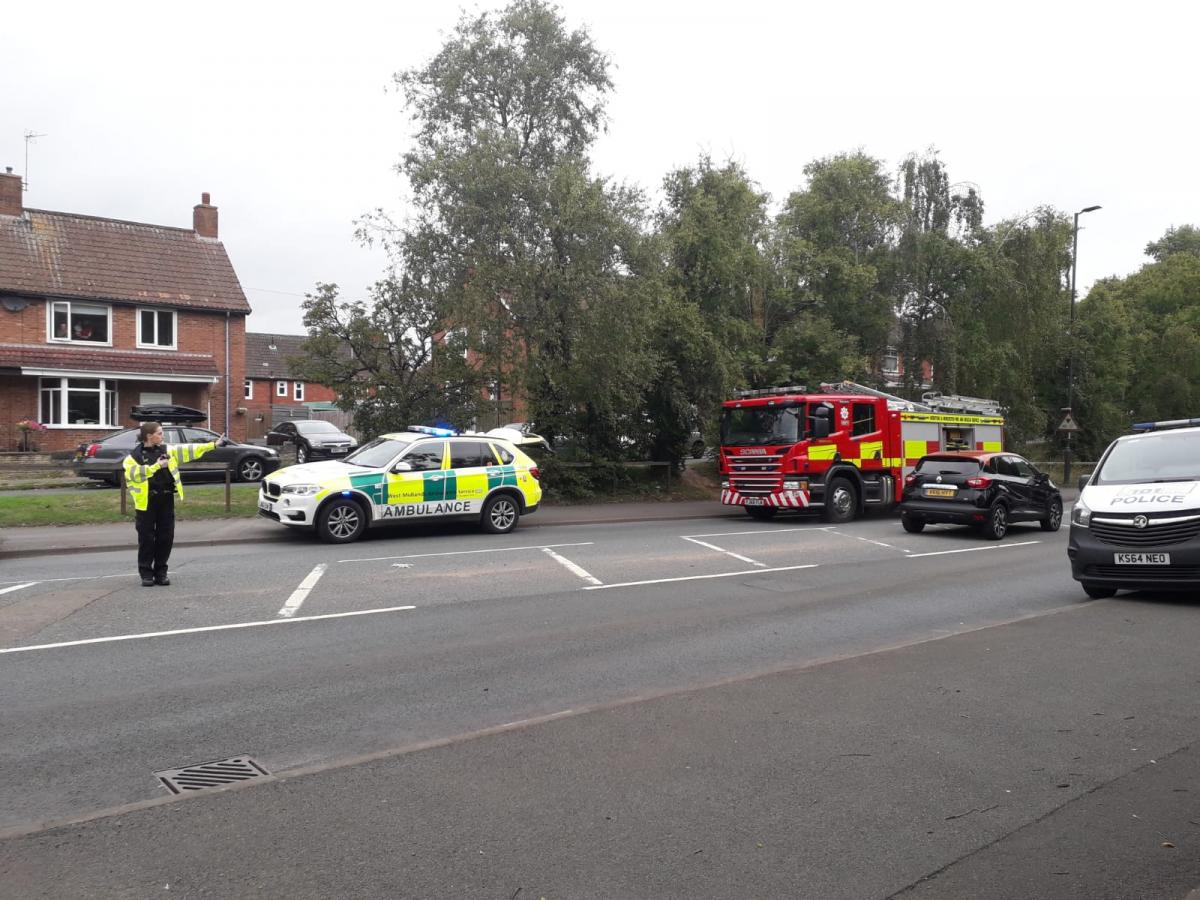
(301, 489)
(1081, 515)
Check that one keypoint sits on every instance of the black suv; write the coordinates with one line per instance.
(986, 490)
(103, 459)
(314, 439)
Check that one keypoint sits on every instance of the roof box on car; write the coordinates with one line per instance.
(167, 412)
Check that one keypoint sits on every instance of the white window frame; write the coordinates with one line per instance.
(108, 411)
(248, 389)
(281, 389)
(152, 345)
(890, 353)
(298, 391)
(51, 305)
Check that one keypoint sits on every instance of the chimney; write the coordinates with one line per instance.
(10, 194)
(204, 218)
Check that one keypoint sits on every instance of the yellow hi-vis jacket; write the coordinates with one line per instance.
(137, 476)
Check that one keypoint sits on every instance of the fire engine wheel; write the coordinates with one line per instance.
(840, 501)
(341, 521)
(761, 512)
(996, 525)
(1054, 520)
(911, 525)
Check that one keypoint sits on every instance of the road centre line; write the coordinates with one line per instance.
(300, 594)
(154, 634)
(17, 587)
(604, 587)
(745, 559)
(466, 552)
(972, 549)
(571, 567)
(759, 531)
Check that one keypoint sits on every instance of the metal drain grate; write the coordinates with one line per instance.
(211, 774)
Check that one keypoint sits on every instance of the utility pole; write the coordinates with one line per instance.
(1071, 342)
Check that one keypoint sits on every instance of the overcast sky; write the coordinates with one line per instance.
(282, 111)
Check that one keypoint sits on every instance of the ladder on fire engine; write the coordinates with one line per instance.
(894, 402)
(960, 403)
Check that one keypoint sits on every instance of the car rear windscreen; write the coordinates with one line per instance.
(948, 466)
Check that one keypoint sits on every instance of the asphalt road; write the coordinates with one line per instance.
(719, 708)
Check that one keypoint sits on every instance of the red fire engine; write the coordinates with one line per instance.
(841, 449)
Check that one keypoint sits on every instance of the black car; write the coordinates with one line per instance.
(103, 459)
(986, 490)
(314, 439)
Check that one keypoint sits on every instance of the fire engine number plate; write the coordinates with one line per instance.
(939, 492)
(754, 501)
(1142, 559)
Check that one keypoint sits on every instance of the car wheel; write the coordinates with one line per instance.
(250, 469)
(996, 525)
(302, 454)
(500, 514)
(911, 525)
(762, 512)
(840, 501)
(1096, 592)
(1054, 520)
(698, 450)
(341, 521)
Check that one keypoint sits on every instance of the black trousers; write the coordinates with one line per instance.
(156, 534)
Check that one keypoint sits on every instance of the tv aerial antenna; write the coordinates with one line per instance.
(29, 136)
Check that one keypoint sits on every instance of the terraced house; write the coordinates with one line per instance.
(99, 315)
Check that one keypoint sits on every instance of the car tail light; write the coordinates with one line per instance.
(909, 479)
(535, 472)
(91, 450)
(979, 482)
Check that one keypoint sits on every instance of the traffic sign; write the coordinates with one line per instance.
(1068, 423)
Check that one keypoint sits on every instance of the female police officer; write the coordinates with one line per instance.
(152, 479)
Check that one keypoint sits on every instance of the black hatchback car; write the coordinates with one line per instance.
(314, 439)
(102, 459)
(986, 490)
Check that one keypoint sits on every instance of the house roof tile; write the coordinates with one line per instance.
(66, 255)
(133, 362)
(266, 354)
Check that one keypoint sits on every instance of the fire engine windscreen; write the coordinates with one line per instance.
(779, 424)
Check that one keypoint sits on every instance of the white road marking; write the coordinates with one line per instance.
(604, 587)
(869, 541)
(153, 634)
(571, 567)
(300, 594)
(465, 552)
(77, 578)
(745, 559)
(972, 549)
(762, 531)
(17, 587)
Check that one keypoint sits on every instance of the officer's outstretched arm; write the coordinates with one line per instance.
(186, 453)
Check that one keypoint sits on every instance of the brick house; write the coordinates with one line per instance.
(99, 315)
(269, 384)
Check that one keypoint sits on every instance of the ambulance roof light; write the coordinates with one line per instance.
(1164, 426)
(436, 432)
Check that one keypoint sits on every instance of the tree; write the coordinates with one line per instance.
(1184, 239)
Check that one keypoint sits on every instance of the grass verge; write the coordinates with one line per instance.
(85, 508)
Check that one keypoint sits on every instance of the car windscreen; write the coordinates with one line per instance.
(377, 453)
(1162, 456)
(937, 466)
(778, 424)
(317, 426)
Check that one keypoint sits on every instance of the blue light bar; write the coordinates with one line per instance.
(436, 432)
(1162, 426)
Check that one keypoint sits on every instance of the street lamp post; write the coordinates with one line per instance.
(1071, 340)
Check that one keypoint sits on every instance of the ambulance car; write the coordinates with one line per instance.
(419, 474)
(1136, 525)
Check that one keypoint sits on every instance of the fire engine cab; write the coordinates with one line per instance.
(841, 449)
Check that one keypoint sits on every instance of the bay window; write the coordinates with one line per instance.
(78, 401)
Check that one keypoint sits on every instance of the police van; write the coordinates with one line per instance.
(417, 474)
(1136, 525)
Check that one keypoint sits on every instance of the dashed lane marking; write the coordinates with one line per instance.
(797, 530)
(17, 587)
(869, 541)
(604, 587)
(465, 552)
(300, 594)
(77, 578)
